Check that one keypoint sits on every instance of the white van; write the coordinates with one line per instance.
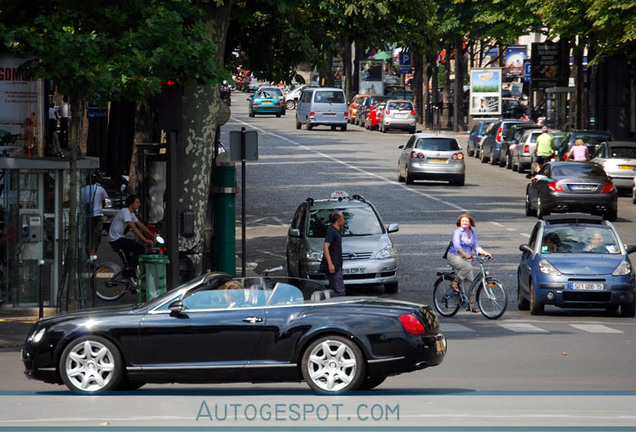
(322, 106)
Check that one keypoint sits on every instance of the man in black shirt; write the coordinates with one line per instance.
(332, 253)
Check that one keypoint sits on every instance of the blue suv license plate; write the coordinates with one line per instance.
(586, 286)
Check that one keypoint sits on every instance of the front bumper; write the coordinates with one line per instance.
(558, 292)
(360, 272)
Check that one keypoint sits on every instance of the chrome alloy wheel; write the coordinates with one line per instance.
(333, 365)
(90, 366)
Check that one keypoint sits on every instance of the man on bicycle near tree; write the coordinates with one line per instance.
(463, 243)
(116, 236)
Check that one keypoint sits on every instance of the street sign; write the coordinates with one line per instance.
(251, 145)
(403, 70)
(406, 59)
(527, 70)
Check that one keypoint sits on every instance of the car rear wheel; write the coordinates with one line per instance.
(508, 161)
(541, 211)
(493, 160)
(277, 114)
(470, 151)
(391, 288)
(634, 195)
(333, 364)
(529, 209)
(409, 177)
(459, 181)
(309, 126)
(483, 157)
(628, 310)
(536, 307)
(611, 215)
(91, 364)
(371, 382)
(251, 113)
(343, 127)
(399, 176)
(333, 127)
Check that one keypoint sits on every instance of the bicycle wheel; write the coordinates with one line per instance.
(107, 287)
(492, 299)
(446, 300)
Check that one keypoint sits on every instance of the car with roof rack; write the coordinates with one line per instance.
(368, 252)
(576, 261)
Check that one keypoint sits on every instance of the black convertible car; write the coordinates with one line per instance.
(218, 330)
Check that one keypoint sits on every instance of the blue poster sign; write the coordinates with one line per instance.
(406, 59)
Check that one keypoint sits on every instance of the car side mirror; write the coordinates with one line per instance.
(176, 307)
(294, 232)
(393, 228)
(401, 146)
(526, 248)
(631, 249)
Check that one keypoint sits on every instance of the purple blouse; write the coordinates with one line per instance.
(461, 241)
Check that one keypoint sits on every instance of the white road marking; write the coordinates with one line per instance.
(522, 328)
(454, 328)
(595, 328)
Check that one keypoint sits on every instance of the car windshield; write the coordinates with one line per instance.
(270, 93)
(579, 239)
(590, 139)
(437, 144)
(623, 152)
(401, 106)
(359, 221)
(578, 170)
(329, 97)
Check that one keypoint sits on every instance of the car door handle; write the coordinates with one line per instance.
(252, 319)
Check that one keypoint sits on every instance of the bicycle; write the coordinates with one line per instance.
(492, 297)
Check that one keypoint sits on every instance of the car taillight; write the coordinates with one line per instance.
(499, 132)
(278, 103)
(412, 112)
(312, 115)
(607, 187)
(346, 114)
(458, 156)
(526, 149)
(603, 163)
(254, 104)
(417, 155)
(555, 186)
(412, 325)
(478, 139)
(388, 111)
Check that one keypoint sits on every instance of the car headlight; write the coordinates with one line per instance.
(314, 256)
(385, 253)
(547, 268)
(624, 268)
(37, 336)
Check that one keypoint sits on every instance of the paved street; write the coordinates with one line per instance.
(566, 368)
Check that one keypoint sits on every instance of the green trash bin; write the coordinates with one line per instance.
(152, 275)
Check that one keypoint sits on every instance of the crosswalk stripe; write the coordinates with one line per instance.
(595, 328)
(522, 328)
(454, 328)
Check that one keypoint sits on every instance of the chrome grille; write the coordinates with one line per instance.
(351, 256)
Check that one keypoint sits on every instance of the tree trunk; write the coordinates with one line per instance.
(417, 88)
(579, 95)
(346, 65)
(458, 91)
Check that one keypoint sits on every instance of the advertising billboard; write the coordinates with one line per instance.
(372, 77)
(515, 56)
(485, 91)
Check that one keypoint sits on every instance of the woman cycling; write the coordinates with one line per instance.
(463, 243)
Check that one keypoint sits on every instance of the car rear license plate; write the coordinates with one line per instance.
(586, 286)
(628, 167)
(399, 115)
(329, 114)
(354, 270)
(437, 160)
(266, 102)
(583, 188)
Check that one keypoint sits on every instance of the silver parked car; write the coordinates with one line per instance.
(398, 114)
(618, 159)
(523, 151)
(429, 156)
(368, 253)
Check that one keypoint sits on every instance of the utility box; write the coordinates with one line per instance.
(152, 270)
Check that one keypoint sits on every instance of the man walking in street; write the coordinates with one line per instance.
(331, 263)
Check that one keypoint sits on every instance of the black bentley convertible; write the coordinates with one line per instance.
(218, 330)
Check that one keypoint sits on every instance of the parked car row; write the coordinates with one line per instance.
(382, 113)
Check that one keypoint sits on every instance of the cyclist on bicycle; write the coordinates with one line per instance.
(463, 243)
(127, 218)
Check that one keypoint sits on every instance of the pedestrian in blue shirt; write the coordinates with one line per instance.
(463, 244)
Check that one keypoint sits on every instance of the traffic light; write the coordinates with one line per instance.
(170, 106)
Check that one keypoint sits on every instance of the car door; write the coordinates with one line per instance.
(210, 336)
(527, 263)
(406, 155)
(295, 244)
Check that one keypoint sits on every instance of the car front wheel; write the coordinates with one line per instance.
(536, 307)
(333, 364)
(91, 364)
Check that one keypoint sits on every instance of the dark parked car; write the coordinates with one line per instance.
(571, 187)
(512, 108)
(591, 138)
(491, 143)
(475, 136)
(510, 141)
(260, 329)
(575, 262)
(366, 106)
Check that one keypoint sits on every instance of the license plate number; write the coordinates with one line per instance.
(437, 160)
(354, 270)
(267, 102)
(627, 167)
(583, 188)
(586, 286)
(329, 114)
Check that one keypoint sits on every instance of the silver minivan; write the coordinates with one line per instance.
(322, 106)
